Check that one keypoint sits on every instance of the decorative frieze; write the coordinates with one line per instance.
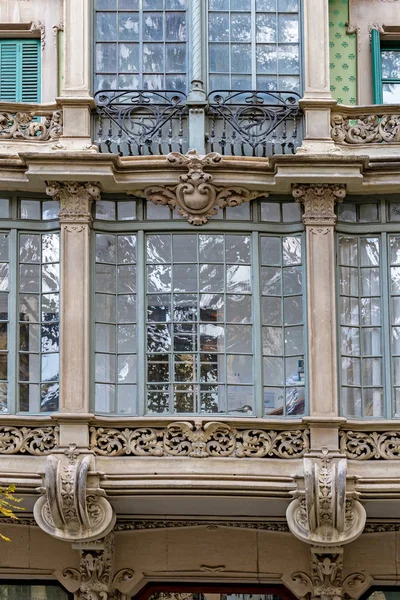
(75, 199)
(28, 440)
(371, 445)
(319, 202)
(20, 125)
(196, 197)
(324, 513)
(199, 440)
(73, 506)
(365, 129)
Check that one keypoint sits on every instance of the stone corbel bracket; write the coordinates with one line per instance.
(324, 513)
(73, 507)
(195, 196)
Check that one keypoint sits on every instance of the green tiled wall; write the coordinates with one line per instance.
(343, 54)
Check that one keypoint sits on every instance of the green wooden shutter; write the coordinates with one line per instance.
(8, 70)
(376, 66)
(20, 71)
(30, 71)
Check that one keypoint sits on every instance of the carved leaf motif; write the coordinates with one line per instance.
(22, 126)
(360, 445)
(39, 440)
(185, 438)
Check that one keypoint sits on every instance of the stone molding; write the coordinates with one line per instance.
(319, 202)
(39, 27)
(195, 196)
(28, 440)
(75, 200)
(73, 507)
(199, 440)
(95, 579)
(326, 579)
(371, 445)
(324, 512)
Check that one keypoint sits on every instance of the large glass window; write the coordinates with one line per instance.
(140, 44)
(369, 306)
(254, 44)
(29, 305)
(199, 322)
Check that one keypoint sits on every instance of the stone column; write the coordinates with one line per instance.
(319, 219)
(76, 96)
(317, 101)
(197, 96)
(75, 219)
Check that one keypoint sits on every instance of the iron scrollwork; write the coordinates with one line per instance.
(264, 122)
(140, 122)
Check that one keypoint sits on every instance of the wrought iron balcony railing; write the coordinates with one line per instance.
(253, 123)
(244, 123)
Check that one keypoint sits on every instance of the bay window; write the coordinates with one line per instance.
(206, 321)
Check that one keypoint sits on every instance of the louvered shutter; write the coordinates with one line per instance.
(30, 71)
(9, 71)
(20, 70)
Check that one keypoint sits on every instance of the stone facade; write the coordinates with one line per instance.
(116, 503)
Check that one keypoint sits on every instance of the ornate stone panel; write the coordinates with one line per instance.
(28, 440)
(199, 440)
(23, 126)
(73, 507)
(195, 196)
(371, 445)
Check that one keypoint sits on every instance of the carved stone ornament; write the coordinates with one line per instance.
(365, 129)
(29, 440)
(95, 579)
(75, 199)
(195, 196)
(326, 578)
(319, 202)
(38, 26)
(73, 508)
(362, 445)
(199, 440)
(323, 513)
(23, 126)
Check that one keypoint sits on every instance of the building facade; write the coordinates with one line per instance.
(200, 298)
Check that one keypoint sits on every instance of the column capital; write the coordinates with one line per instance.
(319, 201)
(75, 199)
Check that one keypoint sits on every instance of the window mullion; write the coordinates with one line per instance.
(386, 327)
(257, 329)
(141, 322)
(13, 326)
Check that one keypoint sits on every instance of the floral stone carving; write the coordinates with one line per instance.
(319, 201)
(326, 578)
(23, 126)
(73, 507)
(361, 445)
(365, 129)
(199, 440)
(195, 196)
(30, 440)
(95, 579)
(75, 199)
(324, 513)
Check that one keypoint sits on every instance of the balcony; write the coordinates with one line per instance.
(37, 124)
(231, 122)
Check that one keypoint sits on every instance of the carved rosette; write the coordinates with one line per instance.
(95, 579)
(75, 199)
(319, 202)
(73, 507)
(324, 514)
(196, 197)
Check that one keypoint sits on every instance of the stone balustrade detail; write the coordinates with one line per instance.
(365, 125)
(30, 122)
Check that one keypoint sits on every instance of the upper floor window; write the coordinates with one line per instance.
(254, 45)
(29, 305)
(20, 70)
(369, 306)
(199, 322)
(386, 69)
(141, 44)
